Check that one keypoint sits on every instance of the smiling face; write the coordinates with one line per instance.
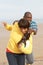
(28, 16)
(24, 30)
(23, 25)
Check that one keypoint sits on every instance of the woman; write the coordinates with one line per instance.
(16, 50)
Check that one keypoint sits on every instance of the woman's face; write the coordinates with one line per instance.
(24, 30)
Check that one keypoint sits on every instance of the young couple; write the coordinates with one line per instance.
(20, 42)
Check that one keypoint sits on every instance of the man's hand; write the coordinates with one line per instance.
(31, 30)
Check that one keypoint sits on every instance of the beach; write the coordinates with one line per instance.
(37, 45)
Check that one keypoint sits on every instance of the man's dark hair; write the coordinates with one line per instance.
(26, 14)
(23, 23)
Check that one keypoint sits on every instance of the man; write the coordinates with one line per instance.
(33, 25)
(33, 28)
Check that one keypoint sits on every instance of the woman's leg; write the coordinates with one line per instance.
(21, 59)
(11, 58)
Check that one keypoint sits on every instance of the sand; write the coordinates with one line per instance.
(37, 45)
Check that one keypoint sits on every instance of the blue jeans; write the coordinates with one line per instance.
(15, 59)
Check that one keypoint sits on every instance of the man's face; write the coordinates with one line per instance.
(28, 17)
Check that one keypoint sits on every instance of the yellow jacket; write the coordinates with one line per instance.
(15, 36)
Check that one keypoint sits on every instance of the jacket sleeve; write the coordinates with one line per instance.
(8, 27)
(16, 37)
(26, 49)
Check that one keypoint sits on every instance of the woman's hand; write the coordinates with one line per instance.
(4, 23)
(20, 45)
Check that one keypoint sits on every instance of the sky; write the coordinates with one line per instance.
(15, 9)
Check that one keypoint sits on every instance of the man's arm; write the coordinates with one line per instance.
(33, 27)
(32, 31)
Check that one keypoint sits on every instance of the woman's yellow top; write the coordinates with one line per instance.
(15, 36)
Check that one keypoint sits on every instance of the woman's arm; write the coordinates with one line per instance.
(7, 26)
(25, 49)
